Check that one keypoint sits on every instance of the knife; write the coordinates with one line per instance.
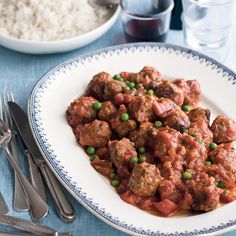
(3, 205)
(34, 173)
(63, 206)
(32, 228)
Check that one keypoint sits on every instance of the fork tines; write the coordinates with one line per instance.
(5, 113)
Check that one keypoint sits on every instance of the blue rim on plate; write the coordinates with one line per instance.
(50, 157)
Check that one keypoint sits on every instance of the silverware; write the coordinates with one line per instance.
(64, 207)
(34, 173)
(38, 207)
(3, 205)
(29, 234)
(19, 202)
(28, 226)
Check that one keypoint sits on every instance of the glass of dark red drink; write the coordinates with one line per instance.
(146, 20)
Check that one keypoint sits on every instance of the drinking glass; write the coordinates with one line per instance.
(146, 20)
(207, 23)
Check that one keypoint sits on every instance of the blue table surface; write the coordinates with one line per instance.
(19, 73)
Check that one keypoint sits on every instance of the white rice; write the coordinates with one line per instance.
(48, 20)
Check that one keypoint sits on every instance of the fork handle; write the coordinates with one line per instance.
(37, 205)
(19, 201)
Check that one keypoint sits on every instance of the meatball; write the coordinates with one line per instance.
(121, 151)
(204, 193)
(140, 108)
(182, 84)
(195, 153)
(112, 88)
(191, 90)
(199, 114)
(169, 90)
(223, 167)
(177, 120)
(97, 85)
(104, 87)
(164, 142)
(107, 111)
(144, 179)
(122, 128)
(96, 134)
(139, 137)
(81, 111)
(201, 132)
(224, 129)
(162, 107)
(149, 77)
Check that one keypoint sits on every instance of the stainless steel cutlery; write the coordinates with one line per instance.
(64, 207)
(38, 206)
(19, 200)
(33, 229)
(28, 196)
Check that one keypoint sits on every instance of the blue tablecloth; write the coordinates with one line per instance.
(18, 73)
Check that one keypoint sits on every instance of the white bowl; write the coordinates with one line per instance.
(38, 47)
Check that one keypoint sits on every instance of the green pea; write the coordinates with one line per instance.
(94, 157)
(186, 108)
(124, 116)
(131, 85)
(207, 163)
(90, 150)
(142, 159)
(145, 91)
(186, 175)
(118, 77)
(141, 149)
(213, 146)
(184, 131)
(134, 160)
(219, 185)
(115, 182)
(112, 175)
(126, 89)
(97, 106)
(158, 124)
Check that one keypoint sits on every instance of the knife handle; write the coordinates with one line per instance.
(35, 176)
(64, 207)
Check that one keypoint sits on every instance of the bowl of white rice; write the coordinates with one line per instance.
(42, 26)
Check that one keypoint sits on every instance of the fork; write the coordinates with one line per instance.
(37, 205)
(19, 202)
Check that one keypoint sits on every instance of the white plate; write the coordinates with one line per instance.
(35, 47)
(56, 89)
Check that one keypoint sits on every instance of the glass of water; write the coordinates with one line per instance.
(207, 23)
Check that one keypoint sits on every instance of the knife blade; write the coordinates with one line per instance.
(3, 205)
(63, 206)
